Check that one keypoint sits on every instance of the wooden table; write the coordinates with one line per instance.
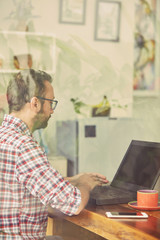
(92, 223)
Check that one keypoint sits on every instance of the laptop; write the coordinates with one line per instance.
(139, 169)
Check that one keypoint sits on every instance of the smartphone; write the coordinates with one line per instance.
(126, 215)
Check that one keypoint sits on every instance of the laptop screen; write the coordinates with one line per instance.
(140, 167)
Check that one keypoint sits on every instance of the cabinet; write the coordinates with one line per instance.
(67, 137)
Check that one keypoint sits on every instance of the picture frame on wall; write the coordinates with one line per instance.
(72, 11)
(146, 72)
(107, 20)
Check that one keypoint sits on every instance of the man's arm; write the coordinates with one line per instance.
(85, 182)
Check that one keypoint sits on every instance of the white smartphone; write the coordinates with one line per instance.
(126, 215)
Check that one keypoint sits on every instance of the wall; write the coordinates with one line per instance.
(86, 68)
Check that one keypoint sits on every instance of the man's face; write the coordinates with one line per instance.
(46, 110)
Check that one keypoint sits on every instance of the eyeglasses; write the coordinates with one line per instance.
(52, 102)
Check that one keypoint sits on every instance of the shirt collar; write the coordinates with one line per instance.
(16, 123)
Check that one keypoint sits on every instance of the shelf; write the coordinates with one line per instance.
(27, 50)
(9, 71)
(12, 71)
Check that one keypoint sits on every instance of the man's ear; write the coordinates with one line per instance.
(35, 104)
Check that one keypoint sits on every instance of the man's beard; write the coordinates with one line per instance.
(41, 121)
(43, 124)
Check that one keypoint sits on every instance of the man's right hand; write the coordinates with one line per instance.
(85, 182)
(90, 180)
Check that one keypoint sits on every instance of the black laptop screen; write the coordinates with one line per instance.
(140, 166)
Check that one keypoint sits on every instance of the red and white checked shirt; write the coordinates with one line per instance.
(28, 184)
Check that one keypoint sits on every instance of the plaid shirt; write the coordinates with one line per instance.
(28, 184)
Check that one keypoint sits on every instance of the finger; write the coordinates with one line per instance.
(98, 175)
(100, 178)
(99, 181)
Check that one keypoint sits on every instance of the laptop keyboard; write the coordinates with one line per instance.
(110, 195)
(109, 190)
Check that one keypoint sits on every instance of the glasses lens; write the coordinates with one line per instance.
(54, 104)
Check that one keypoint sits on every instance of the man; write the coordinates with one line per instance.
(28, 183)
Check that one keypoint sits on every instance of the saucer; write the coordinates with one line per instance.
(134, 205)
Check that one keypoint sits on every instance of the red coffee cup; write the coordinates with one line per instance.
(147, 198)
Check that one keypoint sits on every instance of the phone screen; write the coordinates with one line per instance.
(126, 213)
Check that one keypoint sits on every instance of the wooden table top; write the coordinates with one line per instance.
(93, 218)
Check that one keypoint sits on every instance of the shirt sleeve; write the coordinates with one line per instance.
(42, 181)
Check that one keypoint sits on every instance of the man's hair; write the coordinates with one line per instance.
(25, 85)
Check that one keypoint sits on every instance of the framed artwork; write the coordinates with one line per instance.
(146, 58)
(72, 11)
(107, 20)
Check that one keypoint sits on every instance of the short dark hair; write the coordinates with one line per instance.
(25, 85)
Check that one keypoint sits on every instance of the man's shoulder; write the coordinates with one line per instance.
(16, 138)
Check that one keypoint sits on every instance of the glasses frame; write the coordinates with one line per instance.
(51, 100)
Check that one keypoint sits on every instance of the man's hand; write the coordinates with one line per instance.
(89, 180)
(85, 182)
